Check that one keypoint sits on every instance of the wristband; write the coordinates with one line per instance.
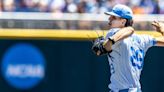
(112, 40)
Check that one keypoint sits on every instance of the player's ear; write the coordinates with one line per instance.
(123, 21)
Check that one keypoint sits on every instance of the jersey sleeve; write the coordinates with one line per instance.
(148, 41)
(110, 34)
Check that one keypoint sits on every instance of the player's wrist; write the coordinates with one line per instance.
(112, 40)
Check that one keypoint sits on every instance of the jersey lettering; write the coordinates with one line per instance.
(137, 57)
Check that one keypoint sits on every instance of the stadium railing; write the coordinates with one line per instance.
(72, 16)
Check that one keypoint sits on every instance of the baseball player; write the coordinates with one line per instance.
(125, 52)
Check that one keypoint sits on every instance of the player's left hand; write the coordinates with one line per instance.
(159, 26)
(97, 47)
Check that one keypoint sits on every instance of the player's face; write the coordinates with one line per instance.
(116, 22)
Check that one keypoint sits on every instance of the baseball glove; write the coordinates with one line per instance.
(98, 47)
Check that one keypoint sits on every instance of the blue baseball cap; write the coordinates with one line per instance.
(122, 11)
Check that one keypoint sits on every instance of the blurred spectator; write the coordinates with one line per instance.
(43, 5)
(1, 5)
(126, 2)
(81, 6)
(56, 5)
(138, 10)
(147, 5)
(70, 7)
(161, 6)
(9, 5)
(27, 6)
(156, 9)
(109, 4)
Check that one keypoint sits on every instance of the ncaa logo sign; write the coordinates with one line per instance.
(23, 66)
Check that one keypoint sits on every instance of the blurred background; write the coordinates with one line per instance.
(85, 14)
(67, 65)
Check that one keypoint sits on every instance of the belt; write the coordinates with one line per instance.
(129, 90)
(124, 90)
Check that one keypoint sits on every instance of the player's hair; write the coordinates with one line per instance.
(129, 22)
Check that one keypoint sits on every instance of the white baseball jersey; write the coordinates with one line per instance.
(126, 60)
